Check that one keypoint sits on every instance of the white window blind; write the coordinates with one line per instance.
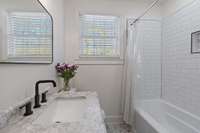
(29, 35)
(100, 36)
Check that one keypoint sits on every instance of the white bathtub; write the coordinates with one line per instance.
(158, 116)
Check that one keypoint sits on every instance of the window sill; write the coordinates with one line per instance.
(99, 61)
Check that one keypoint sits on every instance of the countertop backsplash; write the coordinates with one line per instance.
(13, 112)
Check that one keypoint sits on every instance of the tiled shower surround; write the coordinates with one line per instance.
(181, 69)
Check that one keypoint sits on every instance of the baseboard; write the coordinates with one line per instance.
(114, 119)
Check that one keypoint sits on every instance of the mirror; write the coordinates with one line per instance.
(26, 32)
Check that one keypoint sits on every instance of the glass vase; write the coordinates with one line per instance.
(66, 85)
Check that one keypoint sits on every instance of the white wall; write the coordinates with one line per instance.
(20, 5)
(105, 79)
(17, 80)
(171, 6)
(181, 69)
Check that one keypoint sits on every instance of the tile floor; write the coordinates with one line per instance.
(118, 128)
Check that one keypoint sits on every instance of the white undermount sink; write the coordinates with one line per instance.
(62, 110)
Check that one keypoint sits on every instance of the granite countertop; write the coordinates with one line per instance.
(91, 123)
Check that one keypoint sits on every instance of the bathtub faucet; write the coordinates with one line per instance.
(37, 95)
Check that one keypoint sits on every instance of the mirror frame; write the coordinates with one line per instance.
(52, 59)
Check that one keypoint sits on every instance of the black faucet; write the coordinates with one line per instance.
(37, 95)
(28, 109)
(44, 97)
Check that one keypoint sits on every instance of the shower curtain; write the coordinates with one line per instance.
(129, 74)
(142, 69)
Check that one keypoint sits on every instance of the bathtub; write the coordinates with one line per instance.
(158, 116)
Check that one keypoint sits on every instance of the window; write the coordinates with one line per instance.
(100, 36)
(29, 35)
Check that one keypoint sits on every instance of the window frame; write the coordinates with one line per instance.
(101, 59)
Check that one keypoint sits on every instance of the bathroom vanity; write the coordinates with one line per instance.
(77, 112)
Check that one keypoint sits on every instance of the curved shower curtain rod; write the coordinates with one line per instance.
(149, 8)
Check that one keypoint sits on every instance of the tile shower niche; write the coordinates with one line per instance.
(195, 42)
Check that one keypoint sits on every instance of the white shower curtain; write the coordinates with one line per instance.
(129, 75)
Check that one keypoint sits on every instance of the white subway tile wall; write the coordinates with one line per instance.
(148, 45)
(181, 69)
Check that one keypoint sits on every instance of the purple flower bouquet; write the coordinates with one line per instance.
(66, 71)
